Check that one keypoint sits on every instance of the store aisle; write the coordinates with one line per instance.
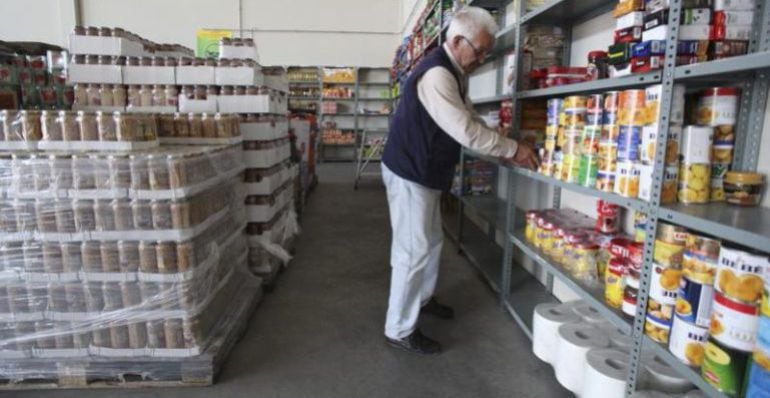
(319, 334)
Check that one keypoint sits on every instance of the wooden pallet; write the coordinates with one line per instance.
(142, 372)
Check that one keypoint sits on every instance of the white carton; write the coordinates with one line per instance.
(203, 75)
(208, 105)
(107, 74)
(99, 45)
(149, 75)
(239, 76)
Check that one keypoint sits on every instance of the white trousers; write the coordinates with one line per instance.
(415, 218)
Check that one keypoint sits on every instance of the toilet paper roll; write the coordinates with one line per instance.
(569, 361)
(659, 376)
(588, 313)
(605, 374)
(618, 339)
(545, 328)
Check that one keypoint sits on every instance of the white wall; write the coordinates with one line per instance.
(290, 32)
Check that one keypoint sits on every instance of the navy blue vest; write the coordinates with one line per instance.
(418, 149)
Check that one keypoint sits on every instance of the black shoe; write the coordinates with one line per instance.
(433, 307)
(416, 343)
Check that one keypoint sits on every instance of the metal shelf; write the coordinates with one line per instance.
(566, 11)
(593, 295)
(525, 293)
(491, 100)
(749, 226)
(593, 86)
(489, 207)
(692, 374)
(727, 66)
(630, 203)
(485, 255)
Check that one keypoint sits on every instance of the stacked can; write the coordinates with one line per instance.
(735, 318)
(631, 117)
(548, 154)
(608, 144)
(664, 281)
(592, 132)
(718, 109)
(650, 131)
(759, 373)
(695, 171)
(573, 121)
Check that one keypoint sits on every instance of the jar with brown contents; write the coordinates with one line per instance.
(140, 178)
(148, 260)
(89, 129)
(142, 212)
(50, 126)
(124, 220)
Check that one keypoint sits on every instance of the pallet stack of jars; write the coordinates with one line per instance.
(119, 253)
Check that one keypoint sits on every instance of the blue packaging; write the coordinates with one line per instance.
(629, 139)
(649, 48)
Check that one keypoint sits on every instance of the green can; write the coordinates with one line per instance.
(589, 167)
(724, 367)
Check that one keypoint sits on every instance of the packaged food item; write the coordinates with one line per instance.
(628, 35)
(734, 324)
(743, 188)
(648, 49)
(613, 283)
(740, 274)
(694, 300)
(718, 106)
(688, 341)
(724, 367)
(605, 181)
(627, 179)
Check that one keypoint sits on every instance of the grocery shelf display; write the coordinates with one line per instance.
(692, 140)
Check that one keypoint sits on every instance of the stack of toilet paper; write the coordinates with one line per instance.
(591, 357)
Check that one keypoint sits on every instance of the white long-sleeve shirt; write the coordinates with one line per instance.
(438, 92)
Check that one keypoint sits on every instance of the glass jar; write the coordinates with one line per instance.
(743, 188)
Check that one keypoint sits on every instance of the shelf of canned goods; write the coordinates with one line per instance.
(699, 262)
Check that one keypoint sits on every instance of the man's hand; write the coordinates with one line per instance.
(525, 157)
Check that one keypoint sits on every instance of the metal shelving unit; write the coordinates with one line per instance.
(519, 293)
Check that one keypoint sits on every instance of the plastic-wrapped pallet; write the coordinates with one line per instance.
(121, 266)
(270, 196)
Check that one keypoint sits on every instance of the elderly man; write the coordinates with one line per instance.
(434, 119)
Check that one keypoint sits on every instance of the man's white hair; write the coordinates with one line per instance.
(469, 22)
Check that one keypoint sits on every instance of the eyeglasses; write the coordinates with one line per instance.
(480, 55)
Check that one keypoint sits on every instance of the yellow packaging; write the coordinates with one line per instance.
(694, 183)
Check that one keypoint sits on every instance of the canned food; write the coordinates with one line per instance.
(694, 183)
(667, 254)
(696, 144)
(664, 284)
(688, 341)
(605, 181)
(718, 106)
(629, 140)
(724, 367)
(734, 324)
(739, 274)
(699, 268)
(627, 179)
(704, 246)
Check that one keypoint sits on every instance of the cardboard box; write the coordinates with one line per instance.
(99, 45)
(107, 74)
(196, 75)
(149, 75)
(239, 76)
(209, 105)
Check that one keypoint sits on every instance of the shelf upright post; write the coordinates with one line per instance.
(751, 115)
(510, 196)
(669, 65)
